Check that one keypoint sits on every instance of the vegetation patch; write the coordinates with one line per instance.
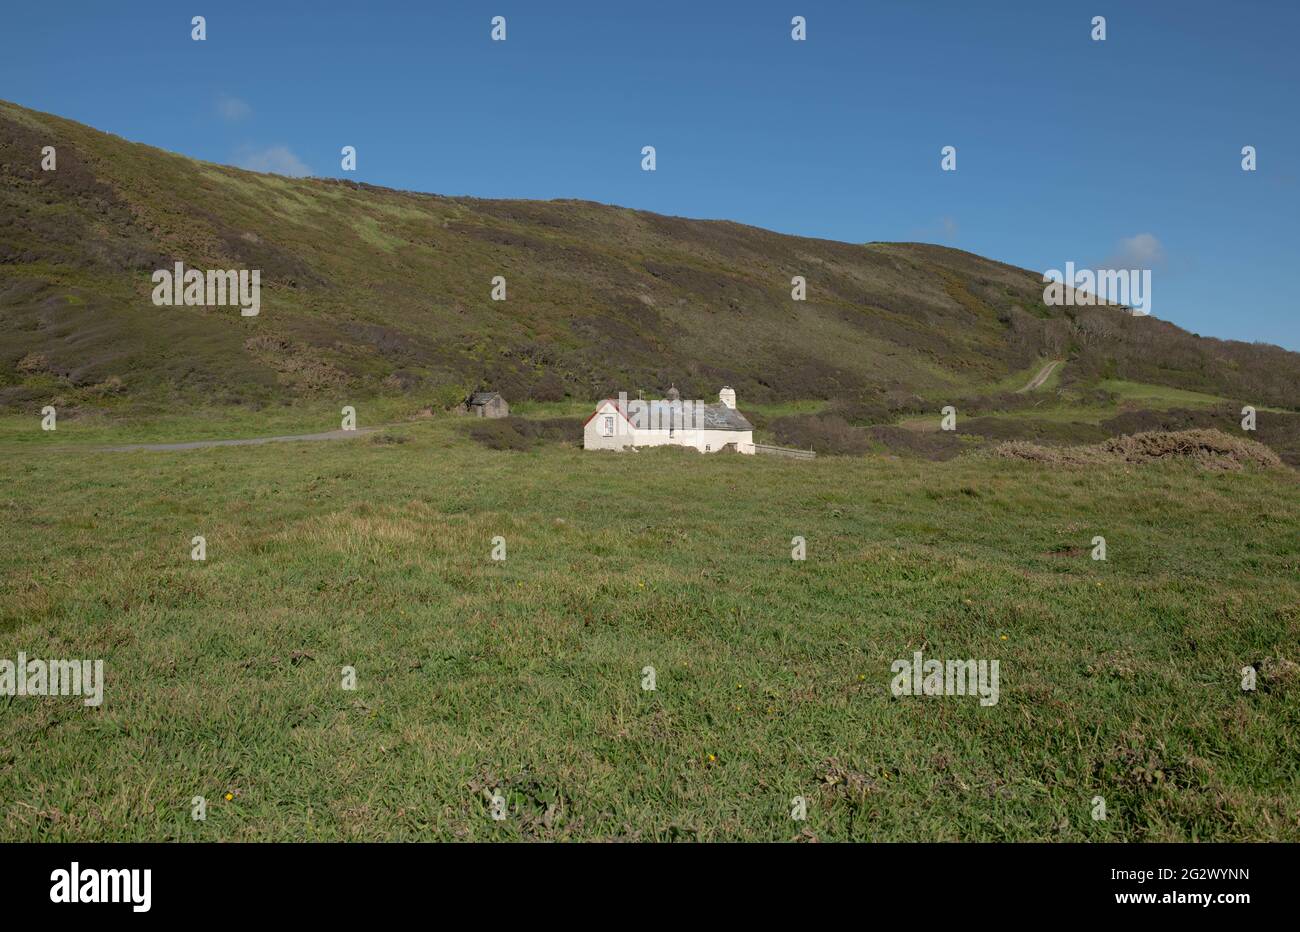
(933, 445)
(521, 433)
(1210, 449)
(827, 434)
(1039, 430)
(1279, 430)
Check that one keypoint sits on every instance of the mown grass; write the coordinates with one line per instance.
(1118, 678)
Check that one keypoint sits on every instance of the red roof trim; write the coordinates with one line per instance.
(608, 401)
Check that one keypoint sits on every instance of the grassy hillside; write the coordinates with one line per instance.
(370, 292)
(523, 677)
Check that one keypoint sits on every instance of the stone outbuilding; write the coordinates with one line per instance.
(484, 404)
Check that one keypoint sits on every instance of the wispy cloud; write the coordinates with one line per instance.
(278, 160)
(232, 109)
(944, 229)
(1143, 251)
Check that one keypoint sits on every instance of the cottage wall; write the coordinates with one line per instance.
(625, 435)
(592, 437)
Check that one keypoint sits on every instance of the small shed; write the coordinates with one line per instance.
(485, 404)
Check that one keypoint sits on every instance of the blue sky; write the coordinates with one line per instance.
(1067, 149)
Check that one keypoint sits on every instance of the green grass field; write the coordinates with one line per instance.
(1158, 396)
(523, 677)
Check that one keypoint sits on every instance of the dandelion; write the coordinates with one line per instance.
(1004, 637)
(229, 797)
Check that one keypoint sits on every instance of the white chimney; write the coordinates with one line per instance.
(727, 396)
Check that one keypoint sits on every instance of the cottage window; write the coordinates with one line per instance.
(608, 429)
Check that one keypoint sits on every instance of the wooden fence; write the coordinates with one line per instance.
(784, 451)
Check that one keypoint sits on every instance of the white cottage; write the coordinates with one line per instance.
(620, 424)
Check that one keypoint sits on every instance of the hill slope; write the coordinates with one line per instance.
(375, 291)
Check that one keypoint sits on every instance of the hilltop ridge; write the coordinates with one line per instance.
(369, 290)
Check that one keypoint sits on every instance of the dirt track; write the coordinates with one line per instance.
(247, 442)
(1039, 379)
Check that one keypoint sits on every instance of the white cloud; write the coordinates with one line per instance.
(1143, 251)
(232, 109)
(277, 160)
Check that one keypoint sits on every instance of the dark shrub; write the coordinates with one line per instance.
(757, 418)
(825, 433)
(558, 429)
(1037, 429)
(927, 444)
(860, 412)
(500, 435)
(521, 433)
(989, 404)
(550, 387)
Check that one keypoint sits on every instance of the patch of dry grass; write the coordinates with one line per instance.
(1210, 449)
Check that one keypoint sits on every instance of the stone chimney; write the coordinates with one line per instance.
(727, 396)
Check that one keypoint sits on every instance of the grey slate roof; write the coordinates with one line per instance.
(482, 398)
(685, 416)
